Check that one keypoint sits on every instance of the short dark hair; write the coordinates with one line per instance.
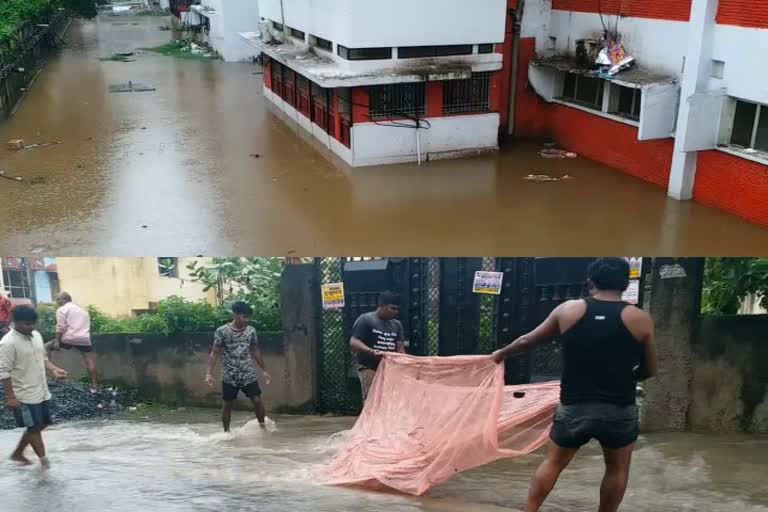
(24, 314)
(387, 298)
(241, 308)
(609, 274)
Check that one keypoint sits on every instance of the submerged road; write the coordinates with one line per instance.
(180, 461)
(172, 172)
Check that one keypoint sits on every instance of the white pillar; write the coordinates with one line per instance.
(696, 73)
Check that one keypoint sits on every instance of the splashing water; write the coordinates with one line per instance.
(183, 462)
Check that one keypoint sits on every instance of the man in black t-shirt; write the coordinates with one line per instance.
(374, 333)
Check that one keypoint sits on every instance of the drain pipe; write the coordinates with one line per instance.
(282, 19)
(418, 143)
(516, 26)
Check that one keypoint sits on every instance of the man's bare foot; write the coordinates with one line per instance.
(44, 462)
(20, 459)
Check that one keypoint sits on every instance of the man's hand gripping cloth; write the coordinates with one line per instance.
(427, 418)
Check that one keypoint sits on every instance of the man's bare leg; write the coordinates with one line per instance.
(226, 415)
(89, 360)
(18, 453)
(258, 407)
(35, 437)
(614, 484)
(547, 474)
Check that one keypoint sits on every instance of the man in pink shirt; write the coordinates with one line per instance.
(73, 331)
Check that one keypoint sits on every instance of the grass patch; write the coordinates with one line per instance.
(180, 50)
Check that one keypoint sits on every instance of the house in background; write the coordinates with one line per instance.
(116, 286)
(219, 22)
(376, 86)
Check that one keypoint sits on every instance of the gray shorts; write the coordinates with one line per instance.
(614, 426)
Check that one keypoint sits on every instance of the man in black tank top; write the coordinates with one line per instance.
(607, 347)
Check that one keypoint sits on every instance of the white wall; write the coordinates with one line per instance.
(230, 18)
(744, 52)
(372, 23)
(658, 45)
(377, 144)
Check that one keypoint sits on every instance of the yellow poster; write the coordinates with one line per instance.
(488, 282)
(333, 295)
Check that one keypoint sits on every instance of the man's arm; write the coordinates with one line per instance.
(359, 330)
(259, 360)
(57, 372)
(544, 333)
(647, 368)
(213, 360)
(61, 327)
(7, 362)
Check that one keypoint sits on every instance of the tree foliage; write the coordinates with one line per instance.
(15, 12)
(727, 281)
(252, 280)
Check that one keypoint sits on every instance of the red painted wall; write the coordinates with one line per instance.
(733, 184)
(612, 143)
(267, 72)
(678, 10)
(745, 13)
(360, 105)
(434, 92)
(597, 138)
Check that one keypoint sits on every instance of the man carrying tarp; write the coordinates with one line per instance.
(376, 332)
(607, 346)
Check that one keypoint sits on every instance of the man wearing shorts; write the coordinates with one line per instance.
(376, 332)
(607, 347)
(23, 364)
(237, 345)
(73, 332)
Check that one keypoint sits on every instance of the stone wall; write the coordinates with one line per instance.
(171, 368)
(729, 389)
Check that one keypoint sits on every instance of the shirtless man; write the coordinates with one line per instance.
(607, 347)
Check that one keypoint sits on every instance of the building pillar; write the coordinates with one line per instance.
(696, 72)
(674, 301)
(298, 305)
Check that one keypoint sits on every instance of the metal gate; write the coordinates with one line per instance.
(440, 313)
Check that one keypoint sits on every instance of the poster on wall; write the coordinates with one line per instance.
(333, 295)
(635, 266)
(632, 294)
(488, 282)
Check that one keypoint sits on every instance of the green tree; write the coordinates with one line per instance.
(252, 280)
(727, 281)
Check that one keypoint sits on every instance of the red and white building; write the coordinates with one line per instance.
(404, 81)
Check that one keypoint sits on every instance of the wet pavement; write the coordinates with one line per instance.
(179, 461)
(171, 171)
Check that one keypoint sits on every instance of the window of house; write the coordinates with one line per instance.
(17, 284)
(397, 100)
(319, 95)
(168, 267)
(364, 53)
(321, 43)
(485, 48)
(298, 34)
(625, 102)
(415, 52)
(345, 102)
(584, 90)
(750, 126)
(277, 26)
(470, 95)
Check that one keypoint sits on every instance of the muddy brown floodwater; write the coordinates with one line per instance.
(182, 462)
(171, 172)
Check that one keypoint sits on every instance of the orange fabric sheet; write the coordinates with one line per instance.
(428, 418)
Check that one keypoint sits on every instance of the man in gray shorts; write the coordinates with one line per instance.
(607, 347)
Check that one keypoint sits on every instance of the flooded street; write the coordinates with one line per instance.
(182, 462)
(172, 171)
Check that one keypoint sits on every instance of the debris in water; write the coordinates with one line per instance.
(556, 153)
(14, 178)
(164, 28)
(255, 155)
(16, 144)
(130, 87)
(123, 54)
(43, 145)
(38, 250)
(546, 177)
(144, 226)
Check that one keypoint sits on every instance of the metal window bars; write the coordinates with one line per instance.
(397, 101)
(468, 95)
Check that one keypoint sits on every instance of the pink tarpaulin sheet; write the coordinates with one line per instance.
(427, 418)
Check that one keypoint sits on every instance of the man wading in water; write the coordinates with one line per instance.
(374, 333)
(23, 364)
(237, 345)
(603, 340)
